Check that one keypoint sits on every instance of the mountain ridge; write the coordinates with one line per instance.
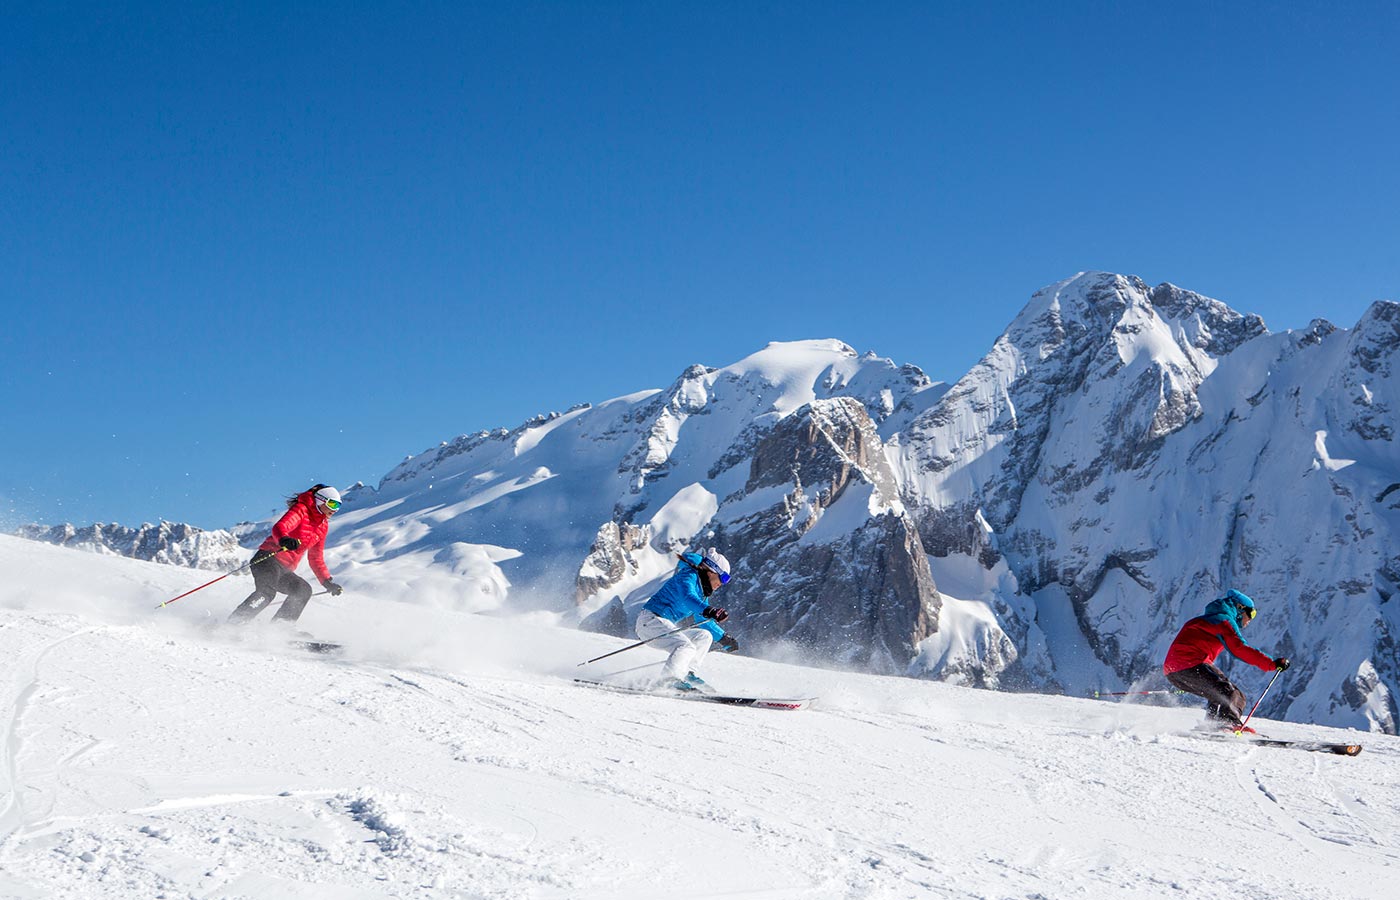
(1120, 455)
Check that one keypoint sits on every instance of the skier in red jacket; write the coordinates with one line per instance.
(300, 531)
(1190, 663)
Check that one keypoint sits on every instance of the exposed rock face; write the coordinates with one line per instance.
(825, 558)
(832, 563)
(611, 558)
(172, 543)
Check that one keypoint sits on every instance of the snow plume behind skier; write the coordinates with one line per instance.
(686, 596)
(1190, 662)
(300, 532)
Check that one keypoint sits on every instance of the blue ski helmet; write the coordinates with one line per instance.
(1243, 602)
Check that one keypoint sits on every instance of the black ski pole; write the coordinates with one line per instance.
(1277, 673)
(693, 624)
(252, 562)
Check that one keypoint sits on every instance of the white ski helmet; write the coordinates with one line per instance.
(715, 562)
(327, 501)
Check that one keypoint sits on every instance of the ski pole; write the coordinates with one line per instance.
(1132, 693)
(693, 624)
(252, 562)
(1277, 673)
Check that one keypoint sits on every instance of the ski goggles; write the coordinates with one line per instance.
(714, 567)
(331, 505)
(1249, 613)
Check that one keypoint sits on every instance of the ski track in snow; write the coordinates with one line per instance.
(154, 760)
(15, 817)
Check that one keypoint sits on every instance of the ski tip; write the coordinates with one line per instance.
(793, 705)
(1349, 749)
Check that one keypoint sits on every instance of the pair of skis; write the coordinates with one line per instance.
(1258, 741)
(792, 704)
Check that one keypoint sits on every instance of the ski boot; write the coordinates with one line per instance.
(698, 684)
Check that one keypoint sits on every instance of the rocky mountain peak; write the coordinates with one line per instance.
(1377, 338)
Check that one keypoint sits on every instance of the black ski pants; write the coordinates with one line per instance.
(1225, 701)
(271, 578)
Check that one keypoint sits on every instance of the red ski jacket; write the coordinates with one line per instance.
(305, 523)
(1201, 640)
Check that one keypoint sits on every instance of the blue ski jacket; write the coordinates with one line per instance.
(681, 596)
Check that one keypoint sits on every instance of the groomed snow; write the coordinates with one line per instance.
(450, 755)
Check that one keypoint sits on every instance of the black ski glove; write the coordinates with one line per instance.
(334, 589)
(289, 544)
(718, 613)
(728, 643)
(1282, 663)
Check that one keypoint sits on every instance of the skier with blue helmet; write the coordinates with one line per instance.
(1190, 662)
(686, 596)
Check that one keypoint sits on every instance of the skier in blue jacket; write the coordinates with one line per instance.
(686, 595)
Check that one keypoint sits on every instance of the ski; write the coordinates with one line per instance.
(755, 702)
(1312, 746)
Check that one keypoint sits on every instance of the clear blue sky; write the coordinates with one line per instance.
(244, 247)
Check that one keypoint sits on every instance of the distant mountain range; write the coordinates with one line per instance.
(1122, 455)
(173, 543)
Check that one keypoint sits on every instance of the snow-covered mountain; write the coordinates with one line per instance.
(1125, 453)
(447, 755)
(1120, 456)
(778, 458)
(172, 543)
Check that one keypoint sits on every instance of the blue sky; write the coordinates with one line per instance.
(242, 249)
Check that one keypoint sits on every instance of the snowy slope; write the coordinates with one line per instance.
(449, 755)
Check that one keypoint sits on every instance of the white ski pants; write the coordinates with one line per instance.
(687, 648)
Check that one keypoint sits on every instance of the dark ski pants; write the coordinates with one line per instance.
(271, 578)
(1225, 701)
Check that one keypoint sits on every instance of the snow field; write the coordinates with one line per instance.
(450, 755)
